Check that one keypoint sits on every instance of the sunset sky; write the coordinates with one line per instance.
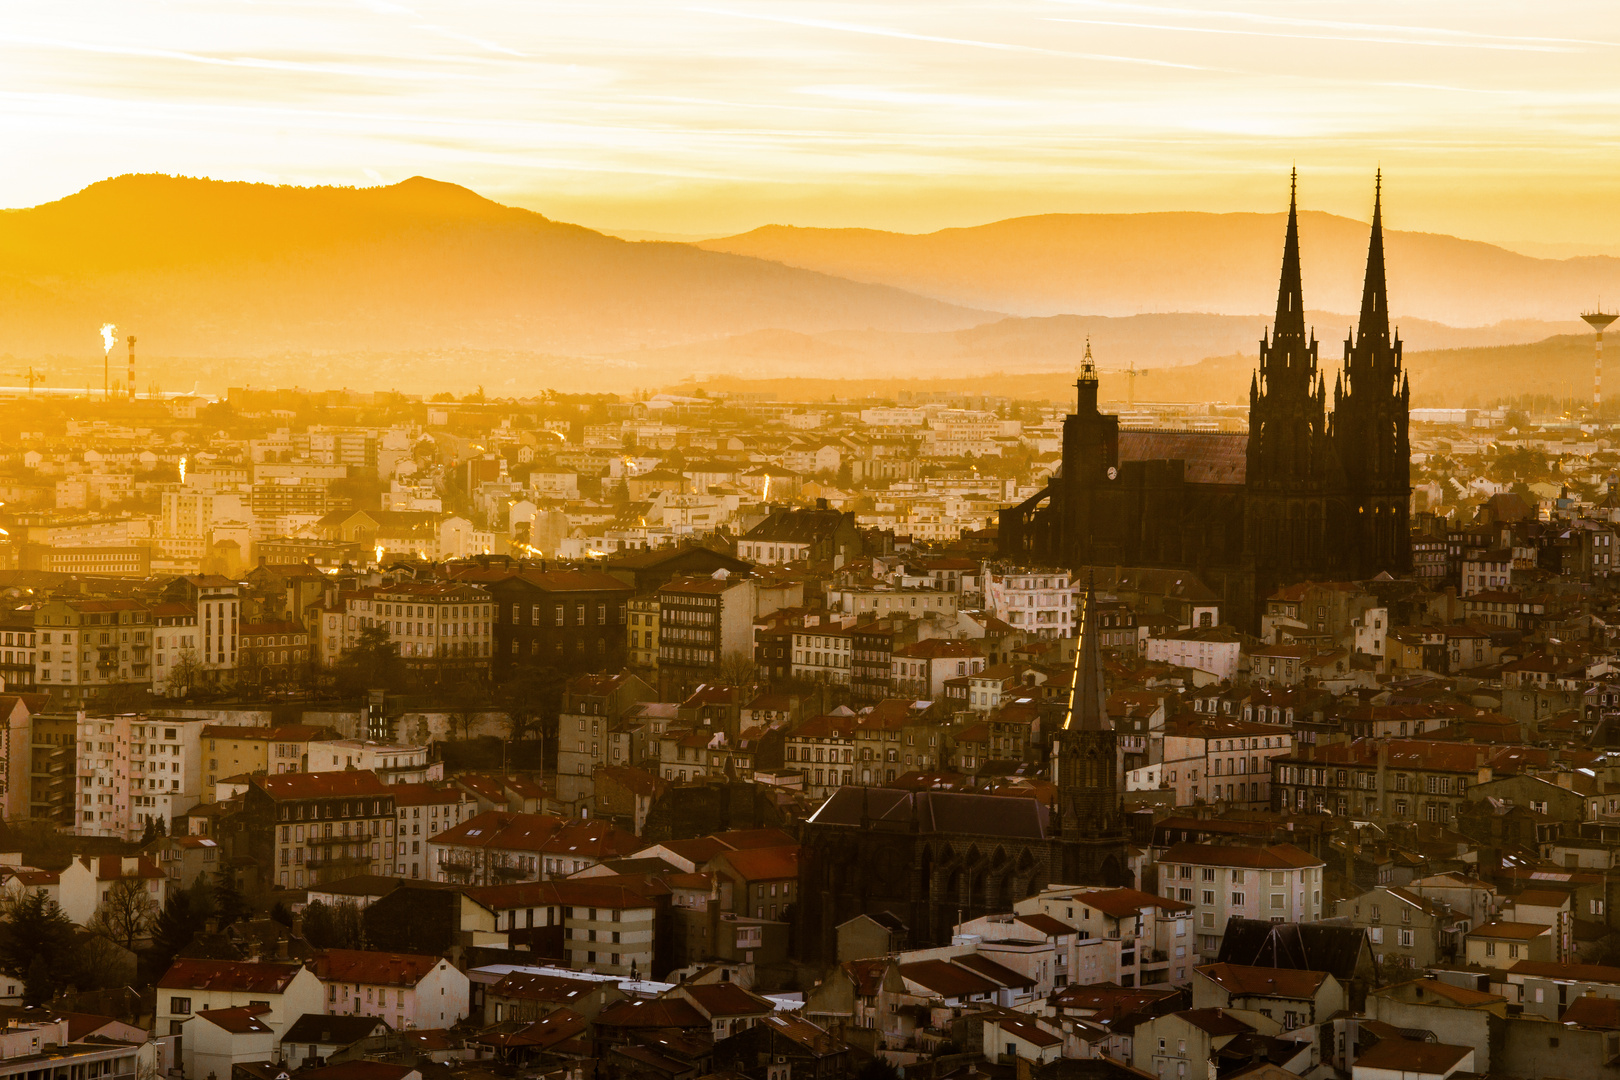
(1493, 121)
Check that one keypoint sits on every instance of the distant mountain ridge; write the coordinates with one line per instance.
(1227, 264)
(214, 268)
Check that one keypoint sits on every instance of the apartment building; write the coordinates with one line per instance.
(823, 654)
(442, 629)
(1386, 779)
(1280, 883)
(704, 623)
(309, 828)
(88, 648)
(644, 617)
(132, 768)
(921, 669)
(1039, 602)
(610, 928)
(1121, 936)
(1216, 760)
(822, 751)
(592, 707)
(408, 991)
(424, 811)
(572, 620)
(498, 847)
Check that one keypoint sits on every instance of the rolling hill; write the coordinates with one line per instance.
(202, 267)
(1125, 264)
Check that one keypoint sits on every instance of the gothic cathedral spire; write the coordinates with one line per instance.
(1088, 694)
(1290, 291)
(1374, 295)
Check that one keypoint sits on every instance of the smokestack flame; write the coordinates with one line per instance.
(109, 336)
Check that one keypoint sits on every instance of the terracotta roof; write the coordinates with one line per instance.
(1044, 924)
(1122, 903)
(1510, 930)
(319, 785)
(1242, 981)
(229, 975)
(1404, 1056)
(1592, 1011)
(427, 794)
(727, 999)
(1275, 857)
(1214, 1021)
(242, 1020)
(763, 864)
(946, 979)
(531, 986)
(1026, 1029)
(332, 1030)
(656, 1013)
(377, 968)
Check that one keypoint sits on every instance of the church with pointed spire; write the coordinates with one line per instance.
(1318, 489)
(931, 859)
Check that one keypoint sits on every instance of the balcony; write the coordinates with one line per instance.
(351, 861)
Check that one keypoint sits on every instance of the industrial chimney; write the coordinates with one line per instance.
(131, 341)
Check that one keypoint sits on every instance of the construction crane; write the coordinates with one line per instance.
(31, 375)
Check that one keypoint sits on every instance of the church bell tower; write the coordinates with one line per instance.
(1088, 770)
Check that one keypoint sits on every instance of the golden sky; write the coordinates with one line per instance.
(1491, 120)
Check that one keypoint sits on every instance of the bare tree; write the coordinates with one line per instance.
(183, 674)
(126, 914)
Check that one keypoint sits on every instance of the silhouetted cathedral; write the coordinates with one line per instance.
(1306, 495)
(934, 858)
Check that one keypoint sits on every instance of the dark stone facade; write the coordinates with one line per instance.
(1308, 494)
(935, 858)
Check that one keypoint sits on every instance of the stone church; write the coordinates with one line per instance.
(1308, 494)
(935, 858)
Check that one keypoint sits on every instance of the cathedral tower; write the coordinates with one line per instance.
(1293, 477)
(1371, 410)
(1088, 770)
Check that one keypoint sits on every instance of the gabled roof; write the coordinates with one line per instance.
(242, 1020)
(946, 979)
(229, 975)
(376, 968)
(1241, 980)
(319, 785)
(727, 999)
(1273, 857)
(1405, 1056)
(1337, 950)
(333, 1030)
(656, 1013)
(763, 864)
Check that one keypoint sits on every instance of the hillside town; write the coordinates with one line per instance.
(680, 735)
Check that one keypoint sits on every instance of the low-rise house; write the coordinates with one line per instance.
(1294, 998)
(316, 1037)
(1501, 945)
(288, 991)
(215, 1041)
(407, 991)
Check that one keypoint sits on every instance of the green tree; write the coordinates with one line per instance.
(36, 946)
(336, 926)
(372, 663)
(232, 906)
(185, 914)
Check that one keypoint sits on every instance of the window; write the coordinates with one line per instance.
(180, 1005)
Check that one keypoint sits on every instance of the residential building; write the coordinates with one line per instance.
(407, 991)
(572, 620)
(1279, 882)
(306, 828)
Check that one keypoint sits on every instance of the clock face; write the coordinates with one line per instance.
(1112, 472)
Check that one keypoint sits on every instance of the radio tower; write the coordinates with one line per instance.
(1598, 321)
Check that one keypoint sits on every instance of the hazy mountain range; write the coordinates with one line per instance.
(1123, 264)
(424, 285)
